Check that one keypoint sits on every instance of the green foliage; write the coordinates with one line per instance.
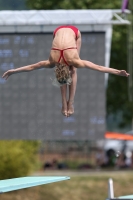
(73, 4)
(17, 158)
(117, 91)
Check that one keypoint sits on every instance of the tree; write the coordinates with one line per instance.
(117, 91)
(18, 158)
(73, 4)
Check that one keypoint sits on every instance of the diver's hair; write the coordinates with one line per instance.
(63, 74)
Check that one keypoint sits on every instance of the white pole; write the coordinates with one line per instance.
(110, 189)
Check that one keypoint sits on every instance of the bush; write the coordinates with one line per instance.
(17, 158)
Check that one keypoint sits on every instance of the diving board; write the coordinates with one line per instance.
(126, 197)
(111, 193)
(26, 182)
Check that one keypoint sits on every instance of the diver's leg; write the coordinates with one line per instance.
(72, 87)
(72, 90)
(64, 99)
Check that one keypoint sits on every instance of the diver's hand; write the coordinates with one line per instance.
(8, 73)
(123, 73)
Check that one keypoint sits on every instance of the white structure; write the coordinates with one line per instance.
(110, 189)
(54, 17)
(111, 193)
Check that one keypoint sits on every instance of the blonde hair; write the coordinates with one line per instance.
(63, 74)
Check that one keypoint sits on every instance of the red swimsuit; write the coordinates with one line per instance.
(62, 50)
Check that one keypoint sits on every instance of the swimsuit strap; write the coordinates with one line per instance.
(61, 53)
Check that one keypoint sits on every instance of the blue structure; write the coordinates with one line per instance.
(26, 182)
(126, 197)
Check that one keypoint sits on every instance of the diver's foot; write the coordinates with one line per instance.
(64, 112)
(64, 109)
(70, 108)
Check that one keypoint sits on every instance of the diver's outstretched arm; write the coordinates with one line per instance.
(87, 64)
(28, 68)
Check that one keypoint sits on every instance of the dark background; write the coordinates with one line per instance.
(30, 106)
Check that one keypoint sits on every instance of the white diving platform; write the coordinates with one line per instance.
(27, 182)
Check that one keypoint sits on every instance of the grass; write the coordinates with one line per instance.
(81, 186)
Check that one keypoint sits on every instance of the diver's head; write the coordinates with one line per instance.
(63, 75)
